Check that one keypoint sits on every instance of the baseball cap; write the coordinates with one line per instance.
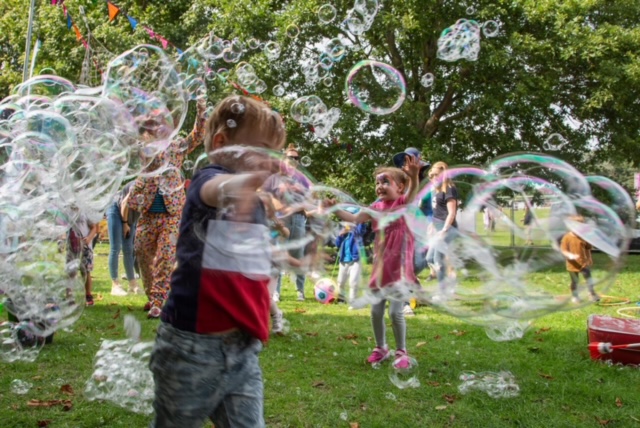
(398, 158)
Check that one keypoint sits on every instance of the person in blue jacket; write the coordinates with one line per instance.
(349, 244)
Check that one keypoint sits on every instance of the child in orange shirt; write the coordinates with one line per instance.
(578, 254)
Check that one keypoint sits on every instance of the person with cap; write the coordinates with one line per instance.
(419, 258)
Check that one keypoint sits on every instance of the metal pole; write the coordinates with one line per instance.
(27, 50)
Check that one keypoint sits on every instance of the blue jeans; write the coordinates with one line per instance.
(205, 376)
(296, 223)
(118, 242)
(437, 256)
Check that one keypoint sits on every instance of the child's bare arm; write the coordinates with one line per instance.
(412, 168)
(240, 190)
(92, 234)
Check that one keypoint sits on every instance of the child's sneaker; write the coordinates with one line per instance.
(575, 300)
(276, 297)
(117, 290)
(89, 300)
(276, 323)
(378, 355)
(300, 296)
(407, 311)
(402, 361)
(154, 312)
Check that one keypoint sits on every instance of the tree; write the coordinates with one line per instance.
(555, 66)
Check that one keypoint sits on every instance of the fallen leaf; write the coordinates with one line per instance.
(15, 406)
(618, 402)
(602, 421)
(129, 308)
(44, 423)
(543, 330)
(441, 407)
(319, 384)
(419, 344)
(112, 326)
(363, 407)
(354, 425)
(116, 315)
(36, 378)
(300, 310)
(546, 376)
(534, 349)
(433, 383)
(351, 336)
(437, 337)
(458, 332)
(539, 339)
(39, 403)
(369, 338)
(313, 334)
(68, 405)
(66, 389)
(355, 342)
(449, 398)
(99, 297)
(113, 304)
(452, 418)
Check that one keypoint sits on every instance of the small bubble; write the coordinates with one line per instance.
(231, 123)
(237, 108)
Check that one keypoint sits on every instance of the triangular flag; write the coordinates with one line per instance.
(151, 33)
(180, 52)
(113, 11)
(69, 22)
(77, 30)
(54, 2)
(164, 42)
(64, 9)
(133, 22)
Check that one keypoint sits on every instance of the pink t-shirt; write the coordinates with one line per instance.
(393, 249)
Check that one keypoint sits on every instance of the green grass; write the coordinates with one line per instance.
(318, 370)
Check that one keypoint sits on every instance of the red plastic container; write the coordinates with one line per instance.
(617, 331)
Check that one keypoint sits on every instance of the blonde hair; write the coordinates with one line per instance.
(398, 175)
(445, 182)
(238, 112)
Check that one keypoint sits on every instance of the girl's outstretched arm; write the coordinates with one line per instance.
(412, 168)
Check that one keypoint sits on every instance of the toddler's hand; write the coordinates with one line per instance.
(411, 166)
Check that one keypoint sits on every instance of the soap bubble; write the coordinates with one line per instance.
(427, 80)
(326, 13)
(18, 342)
(460, 41)
(272, 51)
(292, 31)
(404, 374)
(253, 43)
(335, 49)
(490, 28)
(20, 387)
(305, 161)
(471, 10)
(375, 87)
(554, 142)
(278, 90)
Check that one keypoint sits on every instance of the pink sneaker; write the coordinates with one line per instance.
(379, 355)
(402, 361)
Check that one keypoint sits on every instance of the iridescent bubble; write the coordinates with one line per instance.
(326, 13)
(233, 52)
(471, 10)
(254, 43)
(460, 41)
(427, 80)
(308, 109)
(187, 165)
(231, 123)
(237, 108)
(496, 385)
(375, 87)
(327, 81)
(305, 161)
(490, 28)
(292, 31)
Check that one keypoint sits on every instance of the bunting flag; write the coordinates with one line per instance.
(69, 22)
(77, 30)
(54, 2)
(133, 22)
(152, 34)
(163, 41)
(113, 11)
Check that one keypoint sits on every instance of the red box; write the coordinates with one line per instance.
(617, 331)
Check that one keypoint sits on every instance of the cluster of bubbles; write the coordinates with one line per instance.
(313, 111)
(20, 387)
(361, 17)
(248, 78)
(18, 342)
(503, 287)
(497, 385)
(121, 372)
(64, 152)
(427, 80)
(554, 142)
(462, 39)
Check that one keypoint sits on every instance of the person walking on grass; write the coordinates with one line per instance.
(577, 251)
(393, 257)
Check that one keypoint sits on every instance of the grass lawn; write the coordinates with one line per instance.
(316, 376)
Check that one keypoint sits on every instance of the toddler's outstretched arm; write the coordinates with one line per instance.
(412, 168)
